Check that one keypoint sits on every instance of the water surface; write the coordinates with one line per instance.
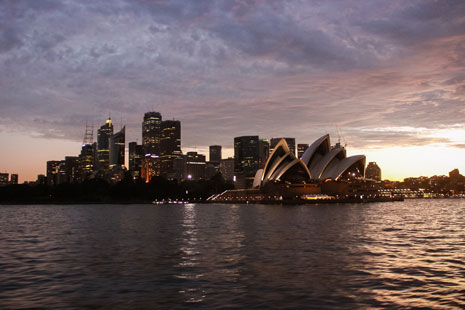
(339, 256)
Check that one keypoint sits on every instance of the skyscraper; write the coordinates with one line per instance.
(246, 159)
(117, 145)
(103, 145)
(52, 171)
(215, 154)
(170, 146)
(71, 169)
(86, 161)
(290, 142)
(151, 133)
(136, 154)
(88, 153)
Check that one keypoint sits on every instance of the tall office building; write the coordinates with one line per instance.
(87, 158)
(117, 145)
(373, 171)
(301, 148)
(151, 133)
(71, 169)
(246, 160)
(263, 152)
(195, 166)
(290, 142)
(170, 146)
(215, 153)
(136, 154)
(86, 161)
(52, 172)
(103, 145)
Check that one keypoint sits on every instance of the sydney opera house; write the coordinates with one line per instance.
(322, 171)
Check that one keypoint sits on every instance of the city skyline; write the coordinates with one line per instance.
(385, 77)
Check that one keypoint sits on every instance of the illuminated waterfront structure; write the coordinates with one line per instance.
(290, 142)
(103, 144)
(373, 171)
(170, 146)
(321, 170)
(325, 162)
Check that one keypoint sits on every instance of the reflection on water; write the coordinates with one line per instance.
(385, 255)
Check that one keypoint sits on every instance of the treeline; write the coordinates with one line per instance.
(125, 191)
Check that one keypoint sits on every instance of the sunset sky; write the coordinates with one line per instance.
(386, 77)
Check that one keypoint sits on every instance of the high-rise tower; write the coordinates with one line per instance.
(170, 145)
(246, 159)
(215, 154)
(103, 144)
(136, 155)
(117, 144)
(151, 133)
(86, 158)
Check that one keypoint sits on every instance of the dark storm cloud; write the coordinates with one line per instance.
(226, 68)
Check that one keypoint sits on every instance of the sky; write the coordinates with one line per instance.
(387, 78)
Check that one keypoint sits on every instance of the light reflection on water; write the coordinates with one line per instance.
(385, 255)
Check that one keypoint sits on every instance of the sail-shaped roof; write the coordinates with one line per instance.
(319, 162)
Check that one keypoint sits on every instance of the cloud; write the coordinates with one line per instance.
(230, 68)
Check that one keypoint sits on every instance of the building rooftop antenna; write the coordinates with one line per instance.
(89, 134)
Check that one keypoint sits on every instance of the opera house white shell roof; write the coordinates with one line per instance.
(319, 162)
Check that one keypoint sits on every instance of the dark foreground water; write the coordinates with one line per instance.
(386, 255)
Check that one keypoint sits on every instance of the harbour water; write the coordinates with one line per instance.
(339, 256)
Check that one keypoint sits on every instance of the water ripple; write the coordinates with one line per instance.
(389, 255)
